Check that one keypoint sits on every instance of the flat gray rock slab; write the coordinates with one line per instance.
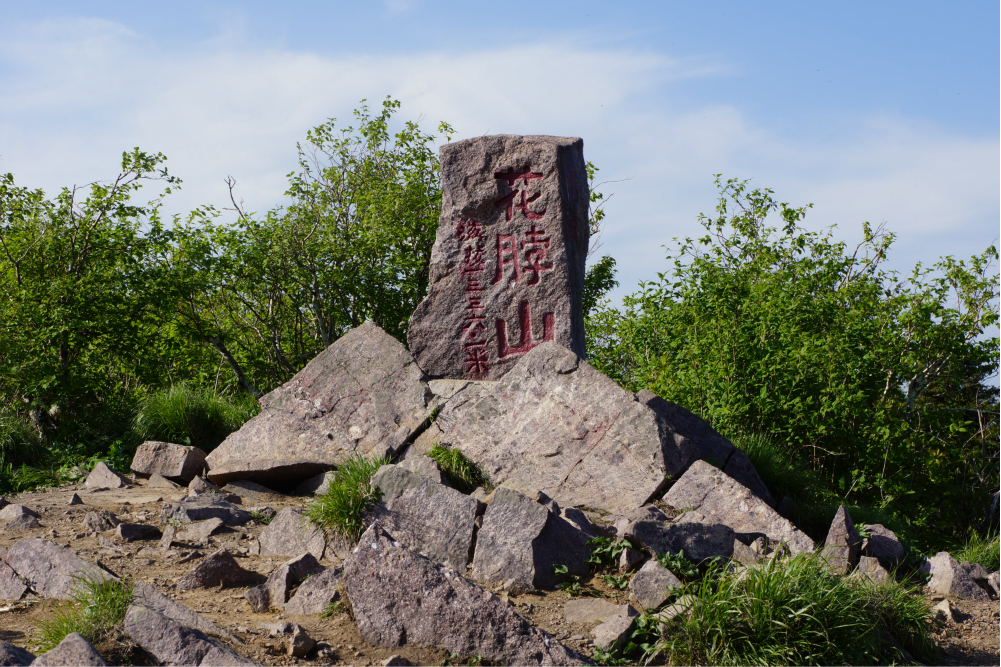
(14, 656)
(507, 266)
(841, 548)
(198, 532)
(555, 424)
(49, 569)
(398, 597)
(362, 395)
(72, 651)
(948, 578)
(316, 593)
(158, 481)
(103, 477)
(289, 534)
(694, 431)
(430, 518)
(218, 568)
(652, 585)
(202, 507)
(179, 463)
(724, 500)
(521, 540)
(145, 595)
(11, 586)
(591, 611)
(693, 533)
(882, 543)
(613, 633)
(174, 644)
(273, 593)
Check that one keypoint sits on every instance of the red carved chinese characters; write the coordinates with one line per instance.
(474, 342)
(512, 176)
(527, 338)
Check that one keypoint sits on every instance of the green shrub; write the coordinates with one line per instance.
(190, 416)
(794, 612)
(985, 551)
(19, 443)
(341, 509)
(97, 609)
(461, 473)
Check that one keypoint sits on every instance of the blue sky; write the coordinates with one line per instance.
(878, 111)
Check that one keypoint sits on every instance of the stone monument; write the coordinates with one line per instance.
(507, 268)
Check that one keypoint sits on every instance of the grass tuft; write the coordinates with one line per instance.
(20, 444)
(462, 474)
(96, 610)
(341, 509)
(985, 551)
(794, 612)
(191, 416)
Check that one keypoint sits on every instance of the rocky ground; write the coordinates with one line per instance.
(969, 637)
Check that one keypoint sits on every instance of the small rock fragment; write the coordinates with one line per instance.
(264, 512)
(158, 481)
(652, 585)
(883, 544)
(100, 521)
(316, 593)
(23, 522)
(316, 485)
(274, 591)
(396, 661)
(104, 477)
(130, 532)
(300, 643)
(75, 499)
(11, 586)
(630, 559)
(204, 506)
(72, 651)
(219, 568)
(587, 611)
(167, 538)
(289, 534)
(15, 512)
(426, 467)
(945, 610)
(872, 569)
(611, 634)
(197, 532)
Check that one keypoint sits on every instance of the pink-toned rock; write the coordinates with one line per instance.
(613, 633)
(15, 512)
(49, 569)
(219, 568)
(398, 597)
(274, 592)
(11, 586)
(290, 534)
(724, 500)
(172, 643)
(362, 395)
(316, 593)
(103, 477)
(507, 267)
(948, 578)
(841, 549)
(555, 424)
(178, 463)
(72, 651)
(100, 521)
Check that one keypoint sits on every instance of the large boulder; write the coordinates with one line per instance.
(399, 597)
(50, 570)
(724, 500)
(362, 395)
(430, 518)
(708, 443)
(510, 248)
(555, 424)
(172, 643)
(521, 540)
(178, 463)
(72, 651)
(841, 548)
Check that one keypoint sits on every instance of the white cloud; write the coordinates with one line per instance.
(74, 94)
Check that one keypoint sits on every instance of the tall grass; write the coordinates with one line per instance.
(977, 549)
(191, 416)
(341, 509)
(96, 610)
(20, 444)
(794, 612)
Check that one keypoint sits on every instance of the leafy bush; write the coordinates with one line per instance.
(349, 495)
(461, 473)
(793, 612)
(190, 416)
(97, 608)
(879, 383)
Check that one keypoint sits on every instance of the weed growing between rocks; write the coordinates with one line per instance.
(190, 416)
(789, 612)
(261, 517)
(462, 474)
(96, 611)
(348, 497)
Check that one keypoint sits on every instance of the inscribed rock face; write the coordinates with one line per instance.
(507, 268)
